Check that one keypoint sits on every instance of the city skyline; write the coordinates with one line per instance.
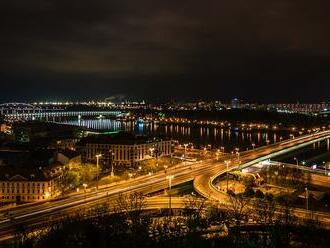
(164, 123)
(264, 52)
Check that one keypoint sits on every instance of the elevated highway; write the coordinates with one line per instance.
(203, 184)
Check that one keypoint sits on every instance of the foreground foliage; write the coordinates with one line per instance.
(128, 224)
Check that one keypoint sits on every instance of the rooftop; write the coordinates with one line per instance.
(23, 174)
(124, 138)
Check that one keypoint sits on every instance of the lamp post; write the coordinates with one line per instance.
(112, 169)
(185, 150)
(297, 161)
(238, 157)
(97, 171)
(217, 154)
(222, 149)
(85, 186)
(169, 178)
(227, 163)
(306, 190)
(152, 149)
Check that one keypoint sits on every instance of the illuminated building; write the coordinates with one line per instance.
(124, 150)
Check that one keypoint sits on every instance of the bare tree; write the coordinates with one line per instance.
(131, 205)
(238, 208)
(265, 210)
(216, 215)
(194, 205)
(165, 229)
(195, 212)
(286, 215)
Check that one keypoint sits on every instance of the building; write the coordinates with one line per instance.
(28, 185)
(123, 149)
(68, 157)
(235, 103)
(65, 144)
(304, 108)
(29, 176)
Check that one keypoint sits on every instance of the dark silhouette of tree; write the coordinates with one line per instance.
(265, 209)
(194, 211)
(238, 208)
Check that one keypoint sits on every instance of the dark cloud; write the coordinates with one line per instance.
(276, 50)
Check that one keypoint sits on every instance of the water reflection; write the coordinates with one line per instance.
(200, 136)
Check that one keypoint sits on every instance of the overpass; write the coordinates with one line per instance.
(202, 174)
(204, 185)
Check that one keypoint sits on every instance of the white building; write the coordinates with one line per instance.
(126, 150)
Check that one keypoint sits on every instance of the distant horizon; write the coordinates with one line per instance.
(223, 101)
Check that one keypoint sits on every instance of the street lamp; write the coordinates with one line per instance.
(169, 178)
(297, 161)
(165, 168)
(112, 169)
(97, 170)
(85, 186)
(185, 150)
(238, 157)
(152, 149)
(306, 191)
(227, 163)
(222, 149)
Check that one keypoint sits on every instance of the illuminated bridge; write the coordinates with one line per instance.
(23, 111)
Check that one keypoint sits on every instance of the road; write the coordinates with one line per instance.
(203, 183)
(203, 173)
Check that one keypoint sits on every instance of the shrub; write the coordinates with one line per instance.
(259, 194)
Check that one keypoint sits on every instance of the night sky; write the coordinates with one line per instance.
(258, 50)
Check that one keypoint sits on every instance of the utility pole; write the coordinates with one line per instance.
(97, 171)
(112, 158)
(297, 161)
(306, 190)
(169, 178)
(227, 163)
